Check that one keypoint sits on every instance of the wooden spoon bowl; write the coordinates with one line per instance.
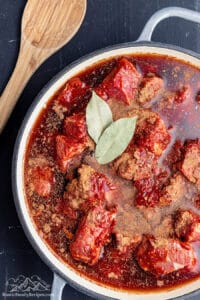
(59, 21)
(47, 25)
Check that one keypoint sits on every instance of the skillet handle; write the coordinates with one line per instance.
(57, 287)
(165, 13)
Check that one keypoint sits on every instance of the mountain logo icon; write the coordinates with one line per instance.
(23, 284)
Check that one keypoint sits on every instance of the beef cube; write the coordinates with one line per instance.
(174, 191)
(121, 84)
(144, 115)
(148, 192)
(149, 89)
(152, 135)
(78, 190)
(92, 235)
(161, 256)
(175, 153)
(187, 226)
(149, 189)
(73, 93)
(190, 165)
(151, 132)
(66, 150)
(151, 138)
(88, 189)
(137, 165)
(74, 127)
(41, 180)
(124, 166)
(73, 141)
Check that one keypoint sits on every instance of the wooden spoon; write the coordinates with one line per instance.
(47, 25)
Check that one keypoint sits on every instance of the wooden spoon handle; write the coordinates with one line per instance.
(28, 61)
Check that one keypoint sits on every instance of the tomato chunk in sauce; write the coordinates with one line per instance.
(133, 223)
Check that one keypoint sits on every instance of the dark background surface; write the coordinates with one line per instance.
(107, 22)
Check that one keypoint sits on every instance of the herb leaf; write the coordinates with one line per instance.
(115, 139)
(98, 116)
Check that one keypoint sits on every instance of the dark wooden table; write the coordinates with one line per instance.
(107, 22)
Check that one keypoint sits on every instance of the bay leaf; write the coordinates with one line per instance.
(115, 139)
(98, 116)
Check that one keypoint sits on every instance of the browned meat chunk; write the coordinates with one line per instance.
(92, 234)
(175, 153)
(66, 150)
(174, 191)
(73, 141)
(73, 93)
(121, 84)
(139, 160)
(78, 190)
(74, 127)
(89, 188)
(150, 88)
(163, 256)
(148, 190)
(190, 165)
(187, 225)
(153, 135)
(149, 141)
(136, 165)
(41, 180)
(151, 132)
